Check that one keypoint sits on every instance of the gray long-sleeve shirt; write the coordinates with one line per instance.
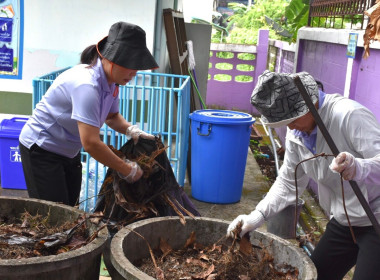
(354, 129)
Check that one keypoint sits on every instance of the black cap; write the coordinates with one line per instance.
(125, 46)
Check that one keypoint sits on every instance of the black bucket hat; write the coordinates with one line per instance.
(278, 99)
(125, 46)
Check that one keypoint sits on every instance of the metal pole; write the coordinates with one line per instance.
(274, 150)
(335, 151)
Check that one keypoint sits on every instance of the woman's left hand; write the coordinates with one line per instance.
(134, 132)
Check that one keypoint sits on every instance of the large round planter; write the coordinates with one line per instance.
(83, 263)
(127, 247)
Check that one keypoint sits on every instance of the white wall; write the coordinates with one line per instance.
(56, 32)
(197, 8)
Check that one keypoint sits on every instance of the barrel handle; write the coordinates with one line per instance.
(209, 130)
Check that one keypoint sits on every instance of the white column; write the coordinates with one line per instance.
(347, 85)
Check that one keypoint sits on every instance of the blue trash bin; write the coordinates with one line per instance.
(12, 175)
(219, 148)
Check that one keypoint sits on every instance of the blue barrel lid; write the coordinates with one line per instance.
(12, 127)
(222, 117)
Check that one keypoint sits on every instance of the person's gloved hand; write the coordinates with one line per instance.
(135, 174)
(134, 132)
(344, 163)
(250, 222)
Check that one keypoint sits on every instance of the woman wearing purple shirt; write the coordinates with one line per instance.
(71, 113)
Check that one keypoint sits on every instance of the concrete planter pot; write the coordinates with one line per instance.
(127, 247)
(83, 263)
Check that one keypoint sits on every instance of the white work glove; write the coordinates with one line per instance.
(134, 132)
(250, 222)
(134, 175)
(344, 163)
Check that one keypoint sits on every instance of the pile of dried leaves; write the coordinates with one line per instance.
(156, 194)
(33, 236)
(222, 260)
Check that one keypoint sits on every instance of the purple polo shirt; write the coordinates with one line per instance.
(81, 93)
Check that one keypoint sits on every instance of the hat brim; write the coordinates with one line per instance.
(277, 124)
(282, 122)
(127, 56)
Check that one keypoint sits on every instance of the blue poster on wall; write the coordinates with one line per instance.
(6, 59)
(11, 38)
(6, 29)
(351, 46)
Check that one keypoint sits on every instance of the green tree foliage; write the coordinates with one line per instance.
(297, 14)
(246, 21)
(254, 17)
(283, 18)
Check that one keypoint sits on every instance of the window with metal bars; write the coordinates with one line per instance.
(339, 13)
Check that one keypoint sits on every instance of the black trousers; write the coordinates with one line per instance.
(336, 253)
(50, 176)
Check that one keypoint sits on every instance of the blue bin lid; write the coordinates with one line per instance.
(12, 127)
(222, 117)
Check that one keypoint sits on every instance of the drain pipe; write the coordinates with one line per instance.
(308, 246)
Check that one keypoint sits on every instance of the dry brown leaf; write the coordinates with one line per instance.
(205, 274)
(180, 215)
(183, 208)
(203, 257)
(190, 240)
(62, 250)
(159, 274)
(25, 223)
(289, 276)
(198, 246)
(244, 277)
(165, 248)
(119, 197)
(216, 248)
(197, 262)
(372, 9)
(236, 233)
(37, 253)
(245, 246)
(212, 276)
(372, 32)
(96, 217)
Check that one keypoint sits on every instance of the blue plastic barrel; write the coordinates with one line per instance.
(12, 174)
(219, 148)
